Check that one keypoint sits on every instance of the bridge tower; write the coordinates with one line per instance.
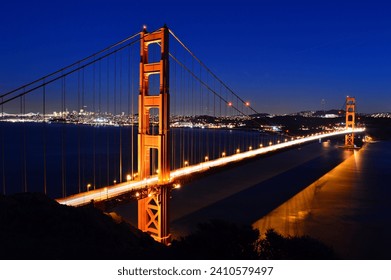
(153, 209)
(350, 120)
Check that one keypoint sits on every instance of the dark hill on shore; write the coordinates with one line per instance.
(32, 226)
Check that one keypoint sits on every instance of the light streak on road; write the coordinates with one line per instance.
(122, 188)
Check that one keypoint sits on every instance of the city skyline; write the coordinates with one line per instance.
(282, 57)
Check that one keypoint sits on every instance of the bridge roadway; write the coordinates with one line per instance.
(117, 190)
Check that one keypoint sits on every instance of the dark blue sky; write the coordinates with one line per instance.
(283, 56)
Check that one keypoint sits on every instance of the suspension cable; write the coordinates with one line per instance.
(65, 74)
(73, 64)
(210, 71)
(205, 84)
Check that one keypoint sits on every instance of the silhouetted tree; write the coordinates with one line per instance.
(218, 240)
(277, 247)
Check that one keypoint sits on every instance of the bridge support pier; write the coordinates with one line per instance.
(153, 209)
(153, 215)
(350, 121)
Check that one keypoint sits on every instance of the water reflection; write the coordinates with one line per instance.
(289, 218)
(294, 216)
(346, 208)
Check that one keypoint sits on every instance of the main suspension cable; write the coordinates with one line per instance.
(73, 64)
(64, 75)
(210, 71)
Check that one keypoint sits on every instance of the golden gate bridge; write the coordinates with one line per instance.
(150, 82)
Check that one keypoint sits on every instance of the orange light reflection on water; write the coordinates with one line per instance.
(314, 210)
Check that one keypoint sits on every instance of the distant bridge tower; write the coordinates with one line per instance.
(153, 209)
(350, 120)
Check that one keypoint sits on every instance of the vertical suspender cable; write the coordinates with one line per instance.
(44, 139)
(100, 115)
(221, 148)
(115, 112)
(191, 107)
(23, 99)
(206, 114)
(107, 131)
(120, 124)
(173, 95)
(63, 161)
(187, 110)
(94, 127)
(83, 156)
(182, 113)
(131, 93)
(3, 146)
(200, 140)
(100, 89)
(78, 135)
(214, 119)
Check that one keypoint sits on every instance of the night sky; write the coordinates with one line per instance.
(283, 56)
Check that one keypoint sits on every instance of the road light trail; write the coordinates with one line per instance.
(120, 189)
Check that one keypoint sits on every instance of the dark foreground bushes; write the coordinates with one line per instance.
(33, 226)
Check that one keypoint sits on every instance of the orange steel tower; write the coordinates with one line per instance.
(153, 209)
(350, 120)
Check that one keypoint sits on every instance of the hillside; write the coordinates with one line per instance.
(33, 226)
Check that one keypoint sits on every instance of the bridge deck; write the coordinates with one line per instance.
(117, 190)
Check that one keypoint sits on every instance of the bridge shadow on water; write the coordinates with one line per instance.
(257, 200)
(343, 203)
(347, 208)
